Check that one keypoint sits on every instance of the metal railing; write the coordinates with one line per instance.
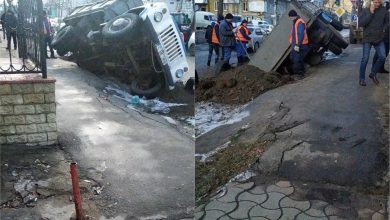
(30, 40)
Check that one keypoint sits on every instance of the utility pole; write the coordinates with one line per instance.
(220, 8)
(275, 15)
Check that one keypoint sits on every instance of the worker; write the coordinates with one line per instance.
(227, 39)
(299, 43)
(242, 37)
(215, 40)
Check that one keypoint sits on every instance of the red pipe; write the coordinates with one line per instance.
(76, 191)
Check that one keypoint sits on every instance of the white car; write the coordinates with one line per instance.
(266, 27)
(257, 35)
(191, 45)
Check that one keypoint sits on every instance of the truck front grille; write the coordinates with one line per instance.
(171, 44)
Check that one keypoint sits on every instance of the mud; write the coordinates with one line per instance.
(239, 85)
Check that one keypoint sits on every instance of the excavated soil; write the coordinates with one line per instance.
(239, 85)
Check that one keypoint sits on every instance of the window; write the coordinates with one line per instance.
(206, 17)
(245, 6)
(225, 7)
(216, 5)
(258, 32)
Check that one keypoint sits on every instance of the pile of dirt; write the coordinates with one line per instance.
(239, 85)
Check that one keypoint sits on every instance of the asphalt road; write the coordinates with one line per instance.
(324, 128)
(145, 163)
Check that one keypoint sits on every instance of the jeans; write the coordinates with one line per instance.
(214, 47)
(227, 53)
(297, 59)
(376, 58)
(377, 65)
(241, 49)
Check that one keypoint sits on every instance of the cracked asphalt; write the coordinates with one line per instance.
(325, 131)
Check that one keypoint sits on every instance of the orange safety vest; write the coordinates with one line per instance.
(305, 38)
(214, 38)
(241, 37)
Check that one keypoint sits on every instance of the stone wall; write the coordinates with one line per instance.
(28, 112)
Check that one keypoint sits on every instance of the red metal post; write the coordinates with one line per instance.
(76, 191)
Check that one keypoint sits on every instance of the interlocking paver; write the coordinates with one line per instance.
(213, 214)
(303, 216)
(217, 205)
(231, 193)
(259, 211)
(273, 200)
(246, 196)
(259, 218)
(365, 213)
(257, 190)
(335, 218)
(243, 210)
(286, 191)
(245, 185)
(200, 208)
(315, 213)
(289, 213)
(198, 215)
(331, 210)
(225, 217)
(283, 184)
(289, 203)
(319, 205)
(378, 216)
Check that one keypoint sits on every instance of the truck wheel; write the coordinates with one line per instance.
(64, 36)
(337, 25)
(335, 49)
(314, 59)
(147, 86)
(62, 52)
(122, 26)
(340, 42)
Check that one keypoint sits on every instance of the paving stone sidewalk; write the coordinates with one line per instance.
(277, 201)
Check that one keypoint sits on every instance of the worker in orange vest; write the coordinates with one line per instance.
(215, 40)
(242, 37)
(299, 43)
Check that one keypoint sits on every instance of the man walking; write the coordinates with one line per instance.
(386, 41)
(11, 24)
(227, 39)
(47, 33)
(374, 21)
(299, 43)
(242, 37)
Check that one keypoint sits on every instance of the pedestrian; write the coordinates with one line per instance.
(374, 20)
(2, 22)
(386, 41)
(227, 39)
(215, 41)
(242, 37)
(48, 32)
(208, 36)
(11, 25)
(299, 43)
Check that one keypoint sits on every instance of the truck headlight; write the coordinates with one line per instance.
(179, 73)
(158, 16)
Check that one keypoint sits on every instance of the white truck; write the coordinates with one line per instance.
(136, 41)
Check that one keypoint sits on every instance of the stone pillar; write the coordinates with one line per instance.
(27, 110)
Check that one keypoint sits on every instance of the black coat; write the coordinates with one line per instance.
(10, 22)
(374, 25)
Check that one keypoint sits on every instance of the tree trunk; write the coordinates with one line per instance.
(220, 8)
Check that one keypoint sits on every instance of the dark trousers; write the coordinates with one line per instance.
(376, 58)
(216, 49)
(48, 40)
(297, 59)
(13, 35)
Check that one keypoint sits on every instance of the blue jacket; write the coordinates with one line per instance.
(226, 34)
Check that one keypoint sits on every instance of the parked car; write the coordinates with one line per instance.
(236, 21)
(204, 19)
(191, 45)
(257, 35)
(266, 27)
(257, 22)
(141, 42)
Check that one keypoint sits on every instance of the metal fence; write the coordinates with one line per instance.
(31, 46)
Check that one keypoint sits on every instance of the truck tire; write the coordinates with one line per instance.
(335, 49)
(314, 59)
(337, 25)
(62, 52)
(149, 91)
(64, 36)
(122, 26)
(339, 42)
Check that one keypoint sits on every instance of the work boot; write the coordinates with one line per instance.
(362, 82)
(208, 62)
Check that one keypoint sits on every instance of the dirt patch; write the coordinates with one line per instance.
(239, 85)
(223, 166)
